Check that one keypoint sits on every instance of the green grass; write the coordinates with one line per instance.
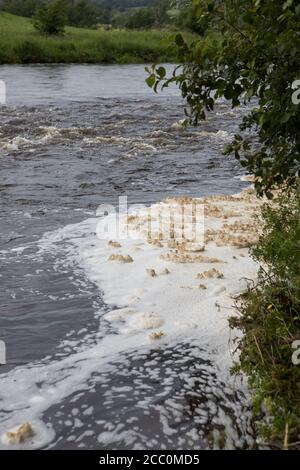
(20, 43)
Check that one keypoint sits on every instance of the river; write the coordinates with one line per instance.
(73, 137)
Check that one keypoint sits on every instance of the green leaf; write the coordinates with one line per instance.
(161, 72)
(151, 80)
(179, 40)
(287, 4)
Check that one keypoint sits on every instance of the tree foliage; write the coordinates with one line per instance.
(131, 14)
(251, 54)
(80, 13)
(143, 18)
(117, 4)
(155, 15)
(83, 13)
(160, 10)
(25, 8)
(51, 18)
(186, 18)
(269, 320)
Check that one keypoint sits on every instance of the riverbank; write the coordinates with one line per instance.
(269, 322)
(20, 43)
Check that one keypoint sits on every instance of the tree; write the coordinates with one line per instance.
(51, 18)
(251, 54)
(187, 18)
(20, 7)
(142, 19)
(83, 14)
(160, 10)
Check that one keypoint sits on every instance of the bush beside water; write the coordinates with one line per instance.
(270, 322)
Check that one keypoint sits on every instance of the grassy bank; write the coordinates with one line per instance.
(20, 43)
(270, 322)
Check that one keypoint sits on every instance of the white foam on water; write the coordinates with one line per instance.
(134, 146)
(170, 305)
(219, 135)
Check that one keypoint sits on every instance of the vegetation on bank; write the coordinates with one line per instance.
(20, 43)
(270, 321)
(79, 13)
(254, 57)
(129, 14)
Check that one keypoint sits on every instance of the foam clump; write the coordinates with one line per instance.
(112, 244)
(156, 335)
(119, 314)
(121, 258)
(188, 258)
(186, 246)
(178, 125)
(240, 227)
(240, 241)
(202, 287)
(211, 274)
(155, 242)
(132, 219)
(20, 434)
(165, 272)
(194, 247)
(146, 322)
(218, 212)
(151, 272)
(154, 273)
(181, 200)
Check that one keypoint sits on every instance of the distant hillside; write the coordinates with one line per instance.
(123, 3)
(28, 7)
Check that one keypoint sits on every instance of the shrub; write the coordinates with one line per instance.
(142, 19)
(270, 322)
(51, 18)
